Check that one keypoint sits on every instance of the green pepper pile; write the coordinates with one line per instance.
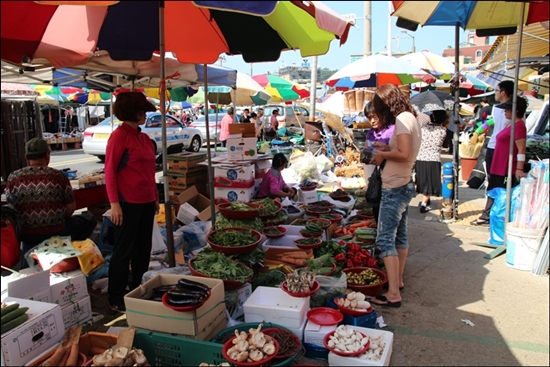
(233, 237)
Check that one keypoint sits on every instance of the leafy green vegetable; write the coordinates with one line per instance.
(223, 222)
(239, 206)
(281, 216)
(233, 237)
(217, 265)
(255, 257)
(268, 204)
(272, 230)
(272, 278)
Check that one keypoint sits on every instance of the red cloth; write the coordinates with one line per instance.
(130, 167)
(10, 245)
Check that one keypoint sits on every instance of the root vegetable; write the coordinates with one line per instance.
(73, 355)
(363, 304)
(353, 304)
(351, 296)
(56, 357)
(360, 296)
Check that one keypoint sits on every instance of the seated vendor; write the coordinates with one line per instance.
(273, 186)
(44, 200)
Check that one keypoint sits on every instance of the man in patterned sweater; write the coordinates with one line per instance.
(44, 200)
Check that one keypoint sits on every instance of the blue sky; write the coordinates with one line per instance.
(433, 39)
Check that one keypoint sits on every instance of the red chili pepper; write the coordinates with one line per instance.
(340, 257)
(349, 263)
(341, 243)
(350, 254)
(371, 263)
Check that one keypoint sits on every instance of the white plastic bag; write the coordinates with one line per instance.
(329, 287)
(306, 168)
(159, 244)
(347, 206)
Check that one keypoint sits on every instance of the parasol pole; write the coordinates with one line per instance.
(208, 152)
(313, 90)
(501, 249)
(235, 103)
(167, 201)
(456, 109)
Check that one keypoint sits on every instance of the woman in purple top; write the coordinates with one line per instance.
(273, 186)
(377, 132)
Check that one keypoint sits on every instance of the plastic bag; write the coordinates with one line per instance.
(347, 206)
(159, 242)
(179, 270)
(52, 251)
(329, 287)
(91, 258)
(323, 163)
(498, 212)
(305, 168)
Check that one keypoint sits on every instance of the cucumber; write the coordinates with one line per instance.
(15, 322)
(14, 314)
(10, 308)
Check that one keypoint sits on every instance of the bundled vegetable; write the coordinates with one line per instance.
(217, 265)
(321, 265)
(366, 277)
(251, 347)
(288, 343)
(300, 283)
(13, 316)
(233, 237)
(355, 301)
(187, 293)
(66, 353)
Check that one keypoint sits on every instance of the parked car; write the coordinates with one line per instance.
(96, 137)
(288, 114)
(200, 124)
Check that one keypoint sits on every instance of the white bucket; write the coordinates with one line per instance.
(522, 246)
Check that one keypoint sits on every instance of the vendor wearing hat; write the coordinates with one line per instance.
(130, 178)
(273, 186)
(44, 200)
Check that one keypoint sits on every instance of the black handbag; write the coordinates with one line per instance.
(373, 195)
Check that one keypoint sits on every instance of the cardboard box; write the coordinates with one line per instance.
(34, 286)
(242, 149)
(90, 181)
(151, 315)
(307, 197)
(185, 180)
(234, 194)
(78, 312)
(67, 287)
(40, 332)
(234, 176)
(235, 299)
(198, 201)
(176, 166)
(246, 130)
(315, 333)
(186, 213)
(184, 161)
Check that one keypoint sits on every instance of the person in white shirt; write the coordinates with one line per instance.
(503, 93)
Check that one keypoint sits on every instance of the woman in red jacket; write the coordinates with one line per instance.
(130, 180)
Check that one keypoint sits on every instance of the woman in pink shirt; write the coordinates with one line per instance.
(224, 129)
(273, 186)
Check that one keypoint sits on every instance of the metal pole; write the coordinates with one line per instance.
(167, 201)
(389, 28)
(367, 42)
(313, 90)
(456, 110)
(208, 153)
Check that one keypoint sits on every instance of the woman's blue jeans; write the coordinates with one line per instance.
(392, 221)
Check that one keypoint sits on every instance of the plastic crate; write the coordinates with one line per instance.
(169, 350)
(221, 337)
(316, 352)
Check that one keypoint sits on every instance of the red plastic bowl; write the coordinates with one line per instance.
(297, 341)
(313, 289)
(268, 216)
(351, 312)
(228, 284)
(311, 187)
(345, 354)
(308, 235)
(316, 211)
(326, 222)
(228, 344)
(165, 298)
(318, 242)
(230, 250)
(368, 290)
(240, 214)
(279, 228)
(362, 216)
(339, 217)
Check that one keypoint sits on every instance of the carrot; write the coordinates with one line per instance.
(296, 255)
(291, 260)
(56, 357)
(73, 355)
(359, 225)
(65, 358)
(339, 230)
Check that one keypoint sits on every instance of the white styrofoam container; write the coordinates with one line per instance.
(40, 332)
(299, 332)
(315, 333)
(234, 194)
(336, 360)
(287, 241)
(307, 197)
(275, 306)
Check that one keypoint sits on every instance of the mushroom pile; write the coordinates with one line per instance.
(347, 340)
(252, 347)
(355, 301)
(120, 356)
(376, 348)
(300, 283)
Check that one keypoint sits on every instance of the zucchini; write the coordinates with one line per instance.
(10, 308)
(192, 285)
(14, 314)
(13, 323)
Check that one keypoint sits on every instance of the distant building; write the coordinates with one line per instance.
(471, 52)
(299, 74)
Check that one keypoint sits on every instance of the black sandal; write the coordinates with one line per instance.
(480, 222)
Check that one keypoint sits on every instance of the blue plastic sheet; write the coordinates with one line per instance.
(498, 212)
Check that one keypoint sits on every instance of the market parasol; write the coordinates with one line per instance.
(133, 30)
(488, 18)
(281, 89)
(377, 70)
(469, 86)
(432, 100)
(90, 97)
(15, 89)
(436, 65)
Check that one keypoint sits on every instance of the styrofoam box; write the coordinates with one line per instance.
(40, 332)
(299, 332)
(336, 360)
(315, 333)
(275, 306)
(307, 197)
(234, 194)
(77, 312)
